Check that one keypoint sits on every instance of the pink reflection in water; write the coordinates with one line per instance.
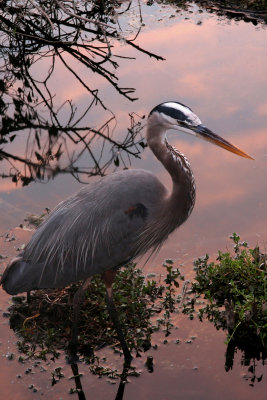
(220, 72)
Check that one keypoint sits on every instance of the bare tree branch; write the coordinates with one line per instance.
(59, 136)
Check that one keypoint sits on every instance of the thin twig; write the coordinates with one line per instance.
(42, 11)
(91, 21)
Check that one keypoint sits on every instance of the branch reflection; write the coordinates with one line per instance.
(41, 134)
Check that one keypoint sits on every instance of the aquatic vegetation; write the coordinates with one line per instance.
(44, 324)
(235, 296)
(231, 293)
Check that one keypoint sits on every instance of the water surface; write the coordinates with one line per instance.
(218, 68)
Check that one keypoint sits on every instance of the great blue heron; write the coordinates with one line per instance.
(114, 220)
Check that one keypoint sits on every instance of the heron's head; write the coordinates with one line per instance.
(174, 115)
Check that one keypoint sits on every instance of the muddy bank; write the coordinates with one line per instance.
(248, 11)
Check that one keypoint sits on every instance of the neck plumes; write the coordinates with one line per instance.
(180, 202)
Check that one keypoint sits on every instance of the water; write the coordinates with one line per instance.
(218, 68)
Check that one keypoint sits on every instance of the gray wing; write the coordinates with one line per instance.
(96, 229)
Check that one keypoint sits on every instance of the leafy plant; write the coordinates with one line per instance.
(235, 296)
(45, 323)
(230, 292)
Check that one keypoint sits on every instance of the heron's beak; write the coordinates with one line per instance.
(207, 134)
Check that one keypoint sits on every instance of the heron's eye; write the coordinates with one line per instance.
(181, 123)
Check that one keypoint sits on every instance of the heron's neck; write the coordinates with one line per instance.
(182, 198)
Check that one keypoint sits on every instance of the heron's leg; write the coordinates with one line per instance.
(108, 278)
(77, 300)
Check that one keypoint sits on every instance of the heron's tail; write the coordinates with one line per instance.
(18, 277)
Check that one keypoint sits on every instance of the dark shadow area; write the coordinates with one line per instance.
(253, 352)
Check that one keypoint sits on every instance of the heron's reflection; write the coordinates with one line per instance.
(121, 387)
(78, 383)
